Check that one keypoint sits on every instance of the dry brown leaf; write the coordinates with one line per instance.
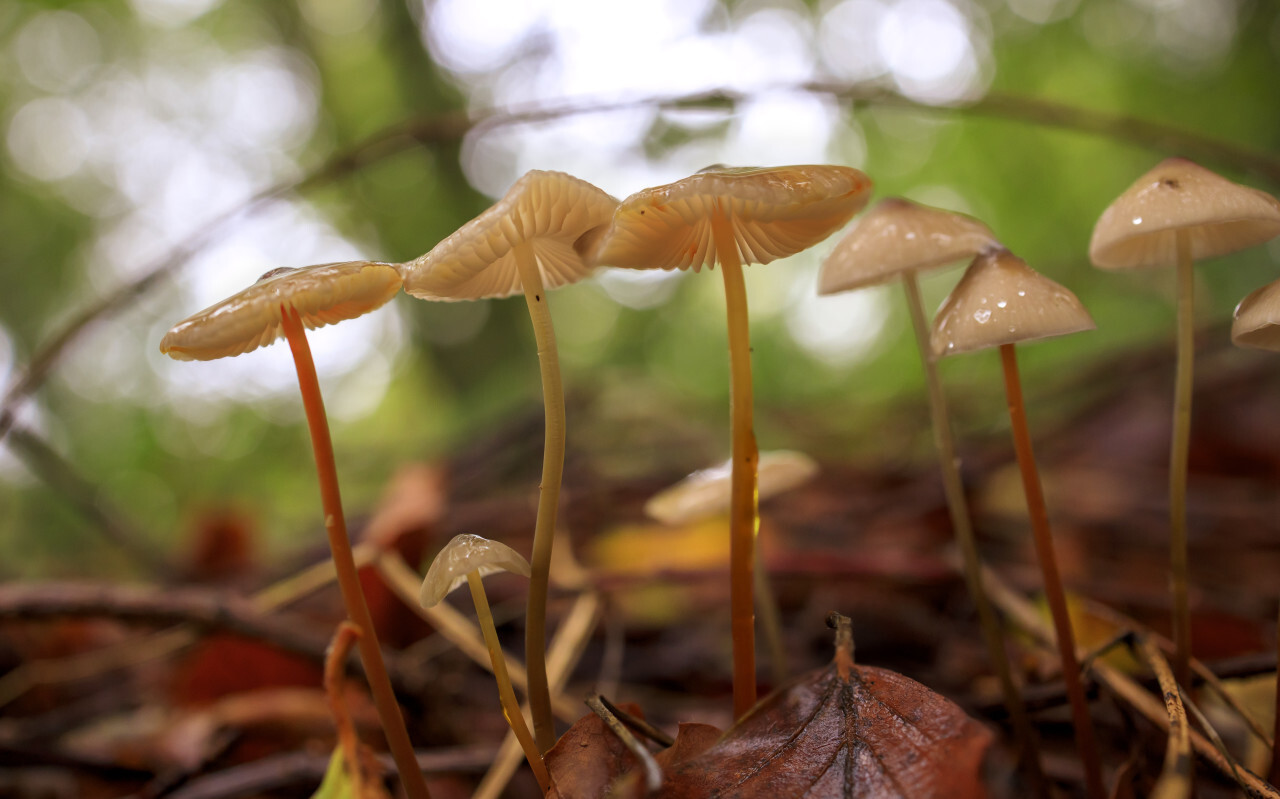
(843, 731)
(588, 759)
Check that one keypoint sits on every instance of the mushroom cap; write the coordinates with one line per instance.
(549, 211)
(898, 235)
(774, 212)
(322, 295)
(1001, 300)
(706, 492)
(1257, 322)
(1140, 227)
(463, 555)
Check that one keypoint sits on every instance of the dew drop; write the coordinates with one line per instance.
(1137, 220)
(982, 316)
(1002, 304)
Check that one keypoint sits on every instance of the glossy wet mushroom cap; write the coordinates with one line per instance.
(1139, 228)
(463, 555)
(897, 235)
(1257, 319)
(1001, 300)
(774, 212)
(706, 493)
(322, 295)
(550, 211)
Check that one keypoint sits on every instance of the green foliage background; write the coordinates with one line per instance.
(1039, 186)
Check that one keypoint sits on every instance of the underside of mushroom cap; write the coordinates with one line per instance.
(548, 210)
(896, 236)
(322, 295)
(707, 492)
(461, 556)
(1257, 319)
(1001, 300)
(774, 212)
(1140, 228)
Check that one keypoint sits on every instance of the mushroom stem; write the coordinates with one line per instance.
(958, 506)
(1054, 593)
(548, 497)
(742, 509)
(510, 706)
(1178, 452)
(384, 698)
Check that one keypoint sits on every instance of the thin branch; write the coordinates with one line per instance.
(47, 464)
(652, 771)
(201, 608)
(451, 126)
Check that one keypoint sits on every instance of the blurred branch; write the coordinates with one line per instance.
(451, 126)
(62, 477)
(201, 608)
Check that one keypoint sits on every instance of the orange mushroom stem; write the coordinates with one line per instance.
(335, 526)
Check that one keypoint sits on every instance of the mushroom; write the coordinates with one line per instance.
(707, 493)
(1000, 302)
(900, 238)
(1178, 213)
(1257, 326)
(469, 558)
(285, 302)
(735, 216)
(525, 243)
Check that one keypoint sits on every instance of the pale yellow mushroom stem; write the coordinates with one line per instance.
(335, 524)
(1178, 452)
(507, 694)
(745, 457)
(953, 488)
(548, 498)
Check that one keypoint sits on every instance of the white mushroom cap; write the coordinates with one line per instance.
(1139, 228)
(463, 555)
(549, 211)
(322, 295)
(774, 212)
(707, 492)
(1001, 300)
(896, 236)
(1257, 322)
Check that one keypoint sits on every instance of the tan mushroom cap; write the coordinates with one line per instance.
(1139, 228)
(1001, 300)
(463, 555)
(548, 210)
(322, 295)
(706, 493)
(774, 212)
(898, 235)
(1257, 322)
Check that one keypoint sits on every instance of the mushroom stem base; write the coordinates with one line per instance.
(1179, 451)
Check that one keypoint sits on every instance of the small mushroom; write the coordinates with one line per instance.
(1001, 302)
(1178, 213)
(707, 493)
(735, 216)
(526, 243)
(468, 559)
(285, 302)
(900, 238)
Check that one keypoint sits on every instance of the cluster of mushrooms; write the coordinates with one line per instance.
(552, 229)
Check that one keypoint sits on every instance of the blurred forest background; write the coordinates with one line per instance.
(159, 155)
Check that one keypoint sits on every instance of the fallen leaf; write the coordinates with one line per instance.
(588, 759)
(843, 731)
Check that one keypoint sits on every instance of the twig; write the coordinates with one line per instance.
(638, 724)
(133, 651)
(295, 769)
(1135, 695)
(451, 126)
(202, 608)
(47, 464)
(652, 771)
(1175, 775)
